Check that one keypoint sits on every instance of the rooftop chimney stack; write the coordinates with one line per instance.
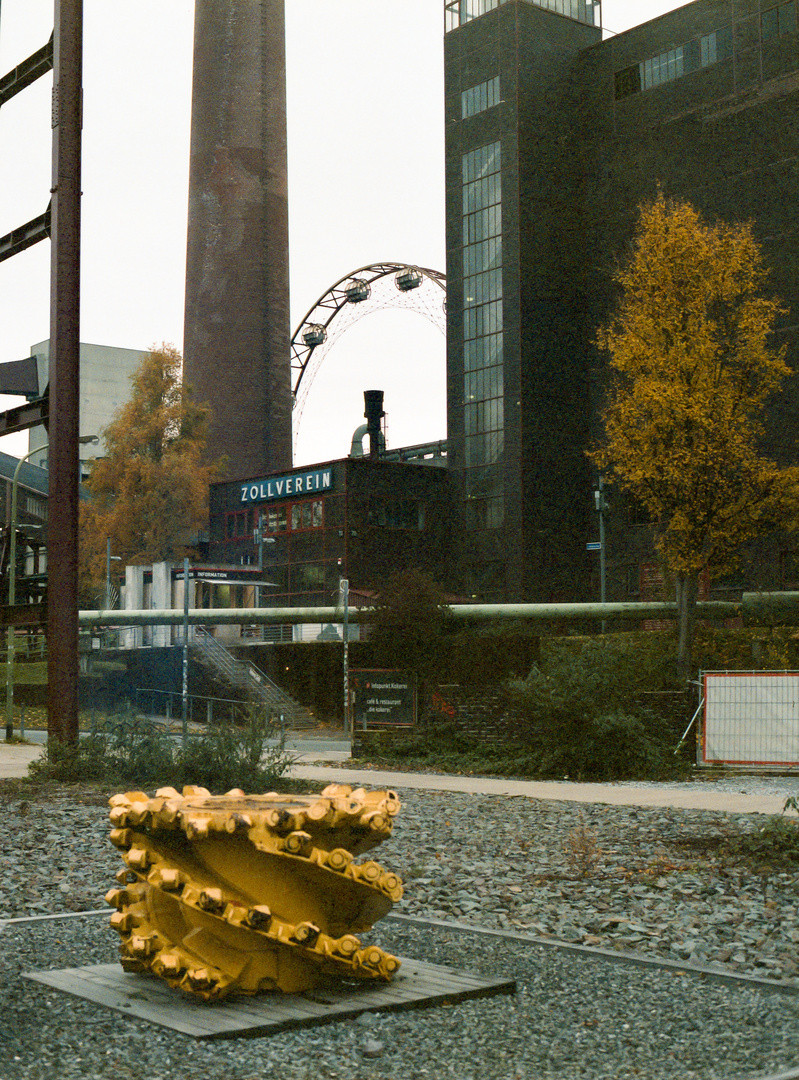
(373, 411)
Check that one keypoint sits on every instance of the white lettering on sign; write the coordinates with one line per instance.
(281, 486)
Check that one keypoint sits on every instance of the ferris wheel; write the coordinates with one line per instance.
(359, 293)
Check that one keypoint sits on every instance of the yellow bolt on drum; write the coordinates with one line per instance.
(235, 892)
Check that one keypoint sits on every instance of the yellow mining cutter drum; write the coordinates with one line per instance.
(251, 892)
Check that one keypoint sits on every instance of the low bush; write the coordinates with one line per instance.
(582, 713)
(773, 846)
(132, 751)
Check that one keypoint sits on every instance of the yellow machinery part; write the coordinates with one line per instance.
(251, 892)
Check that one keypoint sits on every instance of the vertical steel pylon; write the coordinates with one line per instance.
(62, 533)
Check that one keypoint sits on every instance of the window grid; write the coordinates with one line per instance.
(479, 98)
(482, 256)
(482, 162)
(482, 352)
(458, 12)
(483, 379)
(482, 321)
(482, 225)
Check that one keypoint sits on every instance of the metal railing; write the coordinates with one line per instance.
(201, 708)
(248, 677)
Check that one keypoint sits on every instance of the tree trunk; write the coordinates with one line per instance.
(687, 592)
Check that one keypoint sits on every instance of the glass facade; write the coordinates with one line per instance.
(483, 376)
(458, 12)
(479, 98)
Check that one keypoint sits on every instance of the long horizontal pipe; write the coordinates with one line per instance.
(714, 609)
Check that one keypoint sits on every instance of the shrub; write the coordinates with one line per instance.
(581, 712)
(775, 844)
(132, 751)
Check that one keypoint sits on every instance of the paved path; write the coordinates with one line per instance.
(14, 761)
(705, 798)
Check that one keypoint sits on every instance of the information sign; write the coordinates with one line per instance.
(381, 698)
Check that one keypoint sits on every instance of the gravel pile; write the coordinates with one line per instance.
(618, 878)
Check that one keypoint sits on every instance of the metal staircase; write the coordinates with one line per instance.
(249, 679)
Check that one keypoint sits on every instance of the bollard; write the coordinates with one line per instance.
(246, 893)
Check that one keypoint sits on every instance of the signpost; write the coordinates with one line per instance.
(382, 698)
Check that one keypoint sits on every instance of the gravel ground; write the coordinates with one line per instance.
(651, 881)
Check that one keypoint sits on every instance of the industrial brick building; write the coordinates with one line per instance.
(553, 138)
(357, 518)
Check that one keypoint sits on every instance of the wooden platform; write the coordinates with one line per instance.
(148, 998)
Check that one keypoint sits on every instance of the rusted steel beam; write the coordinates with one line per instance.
(26, 72)
(62, 592)
(29, 415)
(25, 236)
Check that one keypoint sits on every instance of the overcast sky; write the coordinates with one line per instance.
(366, 172)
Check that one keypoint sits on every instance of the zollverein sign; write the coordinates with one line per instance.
(382, 698)
(282, 487)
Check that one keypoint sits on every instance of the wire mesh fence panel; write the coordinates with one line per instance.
(750, 718)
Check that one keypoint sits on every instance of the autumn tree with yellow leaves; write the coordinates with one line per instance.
(692, 369)
(149, 493)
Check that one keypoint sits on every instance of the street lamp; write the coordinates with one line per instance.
(260, 540)
(344, 593)
(12, 582)
(108, 558)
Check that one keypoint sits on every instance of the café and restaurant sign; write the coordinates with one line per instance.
(381, 698)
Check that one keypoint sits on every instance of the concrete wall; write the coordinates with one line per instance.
(105, 374)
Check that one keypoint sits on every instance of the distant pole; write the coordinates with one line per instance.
(259, 536)
(62, 532)
(601, 506)
(345, 599)
(602, 562)
(185, 695)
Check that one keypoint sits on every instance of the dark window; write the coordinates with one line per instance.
(275, 519)
(628, 81)
(778, 20)
(236, 525)
(724, 43)
(294, 517)
(307, 577)
(396, 514)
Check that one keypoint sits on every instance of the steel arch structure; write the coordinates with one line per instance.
(359, 293)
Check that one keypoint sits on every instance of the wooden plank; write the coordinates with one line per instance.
(122, 998)
(147, 998)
